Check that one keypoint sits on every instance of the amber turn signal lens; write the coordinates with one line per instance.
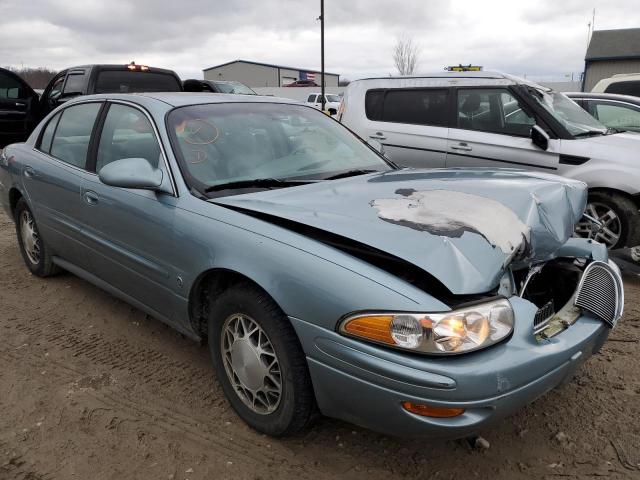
(376, 328)
(431, 411)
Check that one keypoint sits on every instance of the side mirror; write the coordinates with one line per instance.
(539, 137)
(376, 145)
(131, 173)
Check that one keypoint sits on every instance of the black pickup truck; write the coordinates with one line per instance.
(21, 108)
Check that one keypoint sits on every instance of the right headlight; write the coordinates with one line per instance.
(458, 331)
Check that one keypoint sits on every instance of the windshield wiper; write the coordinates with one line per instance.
(254, 183)
(350, 173)
(590, 133)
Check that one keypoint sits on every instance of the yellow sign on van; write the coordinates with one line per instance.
(464, 68)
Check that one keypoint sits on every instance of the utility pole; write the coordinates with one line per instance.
(322, 52)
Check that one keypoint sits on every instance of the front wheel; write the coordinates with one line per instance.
(619, 218)
(259, 361)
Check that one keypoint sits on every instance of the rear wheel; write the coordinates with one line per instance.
(619, 218)
(34, 251)
(259, 361)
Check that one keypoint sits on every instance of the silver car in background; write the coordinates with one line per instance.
(466, 119)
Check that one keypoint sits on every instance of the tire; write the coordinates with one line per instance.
(36, 256)
(626, 227)
(232, 313)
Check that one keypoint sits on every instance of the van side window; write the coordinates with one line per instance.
(493, 110)
(373, 104)
(413, 105)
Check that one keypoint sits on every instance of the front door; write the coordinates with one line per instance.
(411, 123)
(18, 108)
(493, 130)
(131, 231)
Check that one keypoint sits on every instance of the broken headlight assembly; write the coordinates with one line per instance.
(459, 331)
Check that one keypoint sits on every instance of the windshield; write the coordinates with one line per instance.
(333, 98)
(234, 87)
(237, 142)
(576, 120)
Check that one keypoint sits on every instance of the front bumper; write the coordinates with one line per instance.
(365, 384)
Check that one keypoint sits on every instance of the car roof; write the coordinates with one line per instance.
(117, 66)
(446, 77)
(605, 96)
(180, 99)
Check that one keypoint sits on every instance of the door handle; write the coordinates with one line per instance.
(90, 197)
(464, 148)
(20, 104)
(29, 172)
(378, 136)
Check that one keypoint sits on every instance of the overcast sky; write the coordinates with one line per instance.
(538, 38)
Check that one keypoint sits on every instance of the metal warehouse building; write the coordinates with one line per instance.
(611, 52)
(256, 74)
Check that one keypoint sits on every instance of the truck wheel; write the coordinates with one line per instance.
(619, 217)
(259, 361)
(34, 251)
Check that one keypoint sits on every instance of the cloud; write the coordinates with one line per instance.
(538, 38)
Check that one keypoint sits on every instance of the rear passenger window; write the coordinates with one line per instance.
(71, 140)
(47, 135)
(414, 106)
(127, 133)
(312, 98)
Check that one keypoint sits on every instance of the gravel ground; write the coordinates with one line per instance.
(91, 388)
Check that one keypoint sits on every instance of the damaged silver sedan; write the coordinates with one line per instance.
(413, 302)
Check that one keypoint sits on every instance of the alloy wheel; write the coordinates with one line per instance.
(611, 229)
(251, 364)
(30, 237)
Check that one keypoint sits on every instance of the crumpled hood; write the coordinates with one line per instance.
(463, 226)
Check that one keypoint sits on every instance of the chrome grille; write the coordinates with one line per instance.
(543, 315)
(600, 292)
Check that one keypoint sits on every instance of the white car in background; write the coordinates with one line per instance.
(622, 83)
(332, 102)
(488, 119)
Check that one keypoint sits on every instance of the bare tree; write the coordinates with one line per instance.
(36, 77)
(405, 55)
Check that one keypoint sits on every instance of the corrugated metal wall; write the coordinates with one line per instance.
(597, 70)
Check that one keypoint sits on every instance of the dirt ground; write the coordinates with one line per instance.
(91, 388)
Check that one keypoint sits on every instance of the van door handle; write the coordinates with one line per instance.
(378, 136)
(20, 104)
(464, 147)
(90, 197)
(29, 172)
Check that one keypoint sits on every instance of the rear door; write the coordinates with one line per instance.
(411, 123)
(492, 129)
(18, 108)
(53, 177)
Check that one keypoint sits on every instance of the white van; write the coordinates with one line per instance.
(463, 119)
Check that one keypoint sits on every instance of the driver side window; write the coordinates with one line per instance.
(56, 89)
(127, 133)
